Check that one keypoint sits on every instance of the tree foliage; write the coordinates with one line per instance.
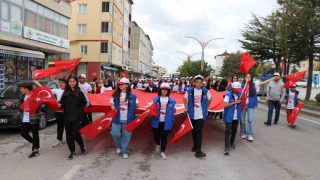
(193, 68)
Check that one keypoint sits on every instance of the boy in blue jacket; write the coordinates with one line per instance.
(232, 114)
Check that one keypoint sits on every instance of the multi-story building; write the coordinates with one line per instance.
(96, 35)
(158, 71)
(219, 62)
(127, 14)
(30, 32)
(141, 51)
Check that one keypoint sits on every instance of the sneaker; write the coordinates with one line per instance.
(268, 124)
(275, 123)
(34, 154)
(125, 156)
(72, 156)
(163, 156)
(292, 125)
(58, 143)
(83, 150)
(233, 146)
(118, 150)
(200, 154)
(250, 138)
(193, 149)
(243, 137)
(226, 152)
(158, 148)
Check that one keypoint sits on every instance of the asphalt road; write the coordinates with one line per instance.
(278, 152)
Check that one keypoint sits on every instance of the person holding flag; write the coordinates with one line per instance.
(293, 98)
(125, 103)
(232, 115)
(30, 122)
(162, 125)
(73, 101)
(199, 100)
(251, 104)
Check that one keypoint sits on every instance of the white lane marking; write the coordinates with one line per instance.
(70, 174)
(298, 117)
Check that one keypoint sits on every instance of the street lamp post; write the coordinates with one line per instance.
(188, 56)
(203, 46)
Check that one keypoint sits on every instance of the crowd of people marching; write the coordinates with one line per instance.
(72, 97)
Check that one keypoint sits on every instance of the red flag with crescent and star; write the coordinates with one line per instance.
(246, 62)
(244, 95)
(217, 104)
(39, 95)
(93, 129)
(41, 73)
(66, 64)
(293, 78)
(294, 114)
(123, 74)
(185, 127)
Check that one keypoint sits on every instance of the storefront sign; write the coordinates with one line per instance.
(17, 53)
(16, 27)
(5, 26)
(36, 35)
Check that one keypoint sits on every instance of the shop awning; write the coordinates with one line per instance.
(110, 68)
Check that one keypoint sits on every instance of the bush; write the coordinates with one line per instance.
(318, 98)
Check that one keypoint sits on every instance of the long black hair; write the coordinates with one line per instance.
(215, 86)
(208, 84)
(68, 91)
(180, 82)
(117, 92)
(224, 83)
(251, 85)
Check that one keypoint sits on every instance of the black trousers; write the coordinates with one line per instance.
(231, 128)
(87, 118)
(197, 133)
(219, 114)
(60, 125)
(161, 135)
(72, 133)
(34, 128)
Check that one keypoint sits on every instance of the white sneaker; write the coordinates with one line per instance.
(243, 137)
(118, 150)
(250, 138)
(163, 156)
(125, 156)
(58, 143)
(158, 148)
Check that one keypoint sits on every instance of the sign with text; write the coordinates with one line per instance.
(40, 36)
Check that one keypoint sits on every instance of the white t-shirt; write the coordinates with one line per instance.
(156, 83)
(104, 89)
(182, 87)
(226, 100)
(257, 89)
(197, 103)
(58, 93)
(146, 85)
(123, 106)
(164, 103)
(139, 85)
(291, 100)
(26, 117)
(150, 88)
(85, 87)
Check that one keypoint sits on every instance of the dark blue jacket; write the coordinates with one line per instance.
(253, 100)
(131, 109)
(295, 98)
(229, 111)
(169, 117)
(185, 88)
(204, 102)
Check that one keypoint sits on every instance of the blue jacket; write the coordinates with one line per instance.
(229, 111)
(131, 109)
(185, 88)
(253, 100)
(204, 102)
(169, 117)
(295, 98)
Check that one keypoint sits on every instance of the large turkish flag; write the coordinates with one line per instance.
(185, 127)
(294, 114)
(293, 78)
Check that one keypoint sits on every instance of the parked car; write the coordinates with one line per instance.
(301, 83)
(9, 118)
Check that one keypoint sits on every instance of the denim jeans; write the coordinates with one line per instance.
(243, 129)
(272, 105)
(121, 137)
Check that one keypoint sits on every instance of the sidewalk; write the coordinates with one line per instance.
(306, 110)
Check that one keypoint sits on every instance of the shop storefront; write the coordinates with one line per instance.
(107, 69)
(18, 64)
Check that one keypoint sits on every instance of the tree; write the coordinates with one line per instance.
(231, 66)
(193, 68)
(294, 70)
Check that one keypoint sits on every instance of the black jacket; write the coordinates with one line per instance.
(73, 107)
(154, 89)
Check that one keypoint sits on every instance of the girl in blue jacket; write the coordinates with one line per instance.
(162, 125)
(293, 98)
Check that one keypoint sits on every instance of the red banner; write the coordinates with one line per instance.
(293, 78)
(217, 104)
(294, 114)
(230, 81)
(92, 130)
(246, 63)
(38, 96)
(152, 110)
(41, 73)
(244, 95)
(66, 64)
(123, 74)
(185, 127)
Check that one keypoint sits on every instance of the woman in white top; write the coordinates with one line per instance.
(106, 87)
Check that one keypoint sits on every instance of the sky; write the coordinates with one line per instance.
(168, 21)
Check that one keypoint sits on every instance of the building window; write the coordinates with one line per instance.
(5, 10)
(82, 8)
(114, 52)
(82, 28)
(106, 7)
(64, 27)
(104, 47)
(120, 21)
(30, 19)
(48, 21)
(56, 24)
(114, 32)
(83, 49)
(115, 14)
(40, 18)
(16, 12)
(120, 37)
(105, 27)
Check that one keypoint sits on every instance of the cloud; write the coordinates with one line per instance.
(168, 21)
